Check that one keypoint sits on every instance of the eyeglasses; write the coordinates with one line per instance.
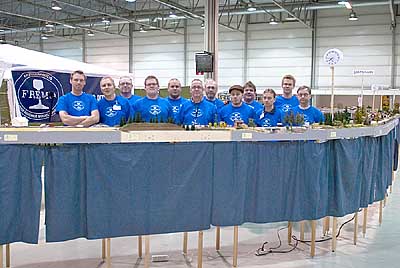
(125, 83)
(304, 94)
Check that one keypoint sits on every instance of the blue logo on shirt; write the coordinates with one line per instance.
(78, 105)
(197, 112)
(236, 117)
(267, 123)
(286, 107)
(175, 109)
(155, 109)
(110, 112)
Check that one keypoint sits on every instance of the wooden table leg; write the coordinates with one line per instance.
(380, 211)
(103, 249)
(289, 232)
(140, 246)
(185, 241)
(108, 252)
(302, 230)
(218, 238)
(235, 245)
(1, 256)
(146, 251)
(355, 228)
(364, 228)
(8, 256)
(200, 250)
(326, 225)
(334, 231)
(313, 235)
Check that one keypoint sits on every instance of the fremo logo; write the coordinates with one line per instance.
(37, 93)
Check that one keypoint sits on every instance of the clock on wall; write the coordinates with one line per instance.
(333, 56)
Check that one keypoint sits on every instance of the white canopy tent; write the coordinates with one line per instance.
(17, 58)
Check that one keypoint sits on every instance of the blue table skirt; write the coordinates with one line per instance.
(109, 190)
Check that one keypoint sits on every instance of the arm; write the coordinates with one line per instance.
(71, 120)
(92, 119)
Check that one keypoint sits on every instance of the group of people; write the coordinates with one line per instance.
(78, 108)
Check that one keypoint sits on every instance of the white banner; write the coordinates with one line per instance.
(363, 72)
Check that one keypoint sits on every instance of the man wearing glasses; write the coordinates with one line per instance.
(310, 113)
(197, 111)
(152, 107)
(125, 88)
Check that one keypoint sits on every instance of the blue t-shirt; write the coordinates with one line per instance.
(132, 99)
(112, 112)
(158, 109)
(286, 104)
(176, 104)
(82, 105)
(255, 105)
(268, 119)
(311, 114)
(230, 114)
(200, 113)
(217, 102)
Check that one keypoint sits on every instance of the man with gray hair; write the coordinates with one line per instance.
(211, 89)
(125, 88)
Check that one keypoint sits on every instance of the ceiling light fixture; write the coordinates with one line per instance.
(202, 25)
(272, 21)
(90, 33)
(43, 37)
(142, 30)
(353, 16)
(105, 20)
(172, 15)
(55, 6)
(130, 1)
(251, 7)
(49, 24)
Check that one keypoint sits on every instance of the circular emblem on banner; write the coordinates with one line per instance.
(37, 92)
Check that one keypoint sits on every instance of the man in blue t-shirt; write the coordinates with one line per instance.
(152, 106)
(310, 113)
(287, 101)
(211, 89)
(174, 95)
(236, 112)
(77, 108)
(125, 88)
(250, 95)
(197, 111)
(269, 116)
(113, 109)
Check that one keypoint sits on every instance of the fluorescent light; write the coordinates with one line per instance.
(130, 1)
(353, 16)
(202, 25)
(49, 24)
(348, 5)
(272, 21)
(172, 15)
(105, 20)
(1, 30)
(69, 26)
(251, 7)
(55, 6)
(90, 33)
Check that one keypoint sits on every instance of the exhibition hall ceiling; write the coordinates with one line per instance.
(24, 19)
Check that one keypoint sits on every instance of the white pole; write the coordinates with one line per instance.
(332, 92)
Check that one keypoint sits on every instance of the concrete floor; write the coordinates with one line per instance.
(380, 247)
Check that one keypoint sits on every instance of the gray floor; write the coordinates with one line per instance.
(380, 247)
